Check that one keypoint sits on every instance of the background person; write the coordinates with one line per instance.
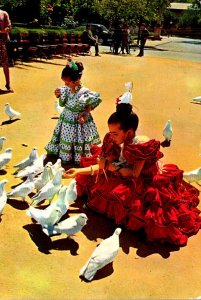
(142, 37)
(117, 37)
(88, 38)
(125, 39)
(5, 28)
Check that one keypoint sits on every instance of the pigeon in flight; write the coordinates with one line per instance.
(11, 113)
(104, 254)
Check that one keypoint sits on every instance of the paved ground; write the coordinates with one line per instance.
(34, 267)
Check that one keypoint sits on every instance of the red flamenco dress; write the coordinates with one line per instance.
(159, 200)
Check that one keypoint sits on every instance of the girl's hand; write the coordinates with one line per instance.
(71, 173)
(82, 118)
(57, 93)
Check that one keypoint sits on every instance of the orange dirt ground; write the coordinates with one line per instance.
(33, 267)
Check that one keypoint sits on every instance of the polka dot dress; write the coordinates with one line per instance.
(71, 140)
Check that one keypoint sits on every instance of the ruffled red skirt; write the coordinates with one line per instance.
(165, 205)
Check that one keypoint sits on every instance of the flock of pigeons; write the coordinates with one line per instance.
(46, 182)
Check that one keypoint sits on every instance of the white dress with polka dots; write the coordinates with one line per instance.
(71, 140)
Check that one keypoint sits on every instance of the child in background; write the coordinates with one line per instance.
(75, 131)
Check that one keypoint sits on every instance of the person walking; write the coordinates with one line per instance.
(76, 130)
(142, 37)
(5, 28)
(88, 38)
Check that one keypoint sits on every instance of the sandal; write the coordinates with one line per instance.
(9, 89)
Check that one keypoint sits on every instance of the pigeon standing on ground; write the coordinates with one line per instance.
(2, 139)
(3, 196)
(193, 176)
(69, 226)
(167, 133)
(23, 189)
(11, 113)
(58, 108)
(5, 157)
(45, 218)
(43, 178)
(101, 256)
(60, 201)
(71, 193)
(49, 190)
(197, 99)
(55, 167)
(35, 169)
(27, 161)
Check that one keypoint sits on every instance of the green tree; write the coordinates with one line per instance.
(192, 16)
(134, 10)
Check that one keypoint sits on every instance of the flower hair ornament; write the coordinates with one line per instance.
(127, 96)
(72, 64)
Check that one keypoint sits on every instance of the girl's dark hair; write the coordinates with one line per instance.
(73, 70)
(125, 117)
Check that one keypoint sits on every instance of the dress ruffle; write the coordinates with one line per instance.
(159, 201)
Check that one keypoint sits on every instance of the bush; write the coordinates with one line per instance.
(49, 31)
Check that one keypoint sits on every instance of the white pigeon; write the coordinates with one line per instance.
(193, 176)
(50, 189)
(2, 139)
(5, 157)
(61, 203)
(56, 166)
(127, 96)
(104, 254)
(46, 218)
(11, 113)
(23, 189)
(71, 193)
(69, 226)
(28, 161)
(197, 99)
(58, 108)
(44, 177)
(35, 169)
(167, 133)
(3, 196)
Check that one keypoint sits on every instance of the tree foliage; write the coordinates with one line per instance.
(104, 11)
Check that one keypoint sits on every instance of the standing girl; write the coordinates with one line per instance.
(75, 131)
